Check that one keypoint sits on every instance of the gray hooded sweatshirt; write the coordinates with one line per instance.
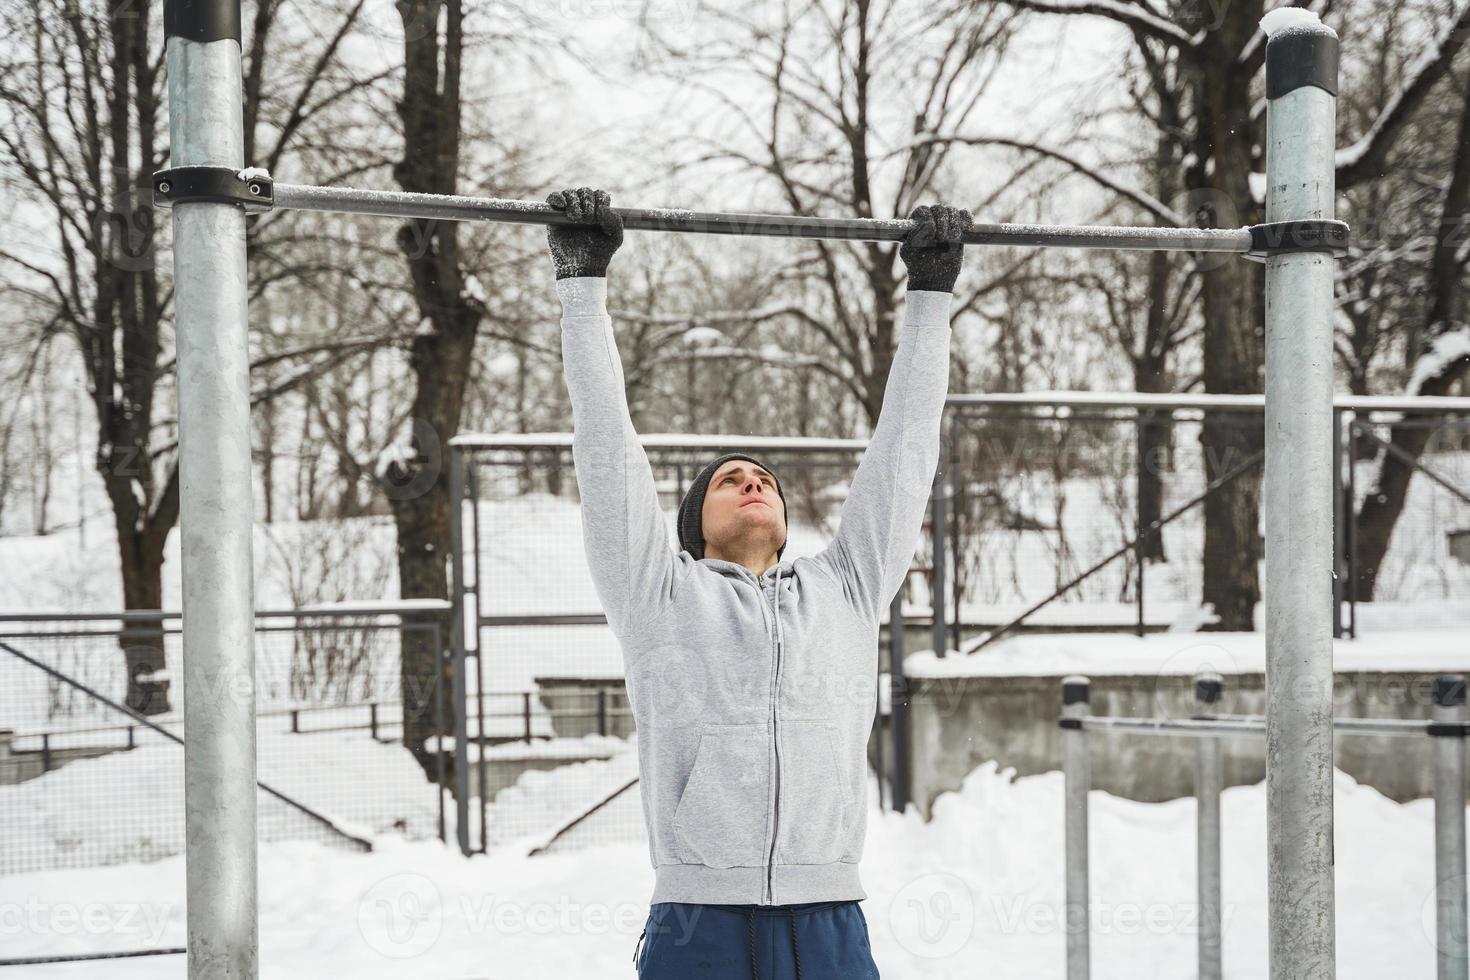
(753, 695)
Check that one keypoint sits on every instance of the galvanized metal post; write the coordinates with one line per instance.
(898, 706)
(206, 129)
(1207, 784)
(459, 613)
(1301, 86)
(938, 533)
(1449, 829)
(1077, 775)
(1339, 526)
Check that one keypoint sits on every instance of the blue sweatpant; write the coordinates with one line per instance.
(755, 942)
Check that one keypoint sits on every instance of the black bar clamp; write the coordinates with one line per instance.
(253, 190)
(1285, 237)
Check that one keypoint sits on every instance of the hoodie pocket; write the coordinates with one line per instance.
(813, 818)
(720, 820)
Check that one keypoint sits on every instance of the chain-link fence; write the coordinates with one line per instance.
(84, 782)
(1047, 510)
(1050, 509)
(1407, 547)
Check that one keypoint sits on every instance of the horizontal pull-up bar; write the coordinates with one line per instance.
(254, 190)
(400, 204)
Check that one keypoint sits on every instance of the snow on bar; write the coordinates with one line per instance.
(1293, 20)
(402, 204)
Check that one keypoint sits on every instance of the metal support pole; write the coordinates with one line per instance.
(898, 705)
(1077, 774)
(1339, 527)
(1208, 779)
(938, 532)
(1301, 86)
(1449, 830)
(458, 615)
(206, 129)
(1351, 516)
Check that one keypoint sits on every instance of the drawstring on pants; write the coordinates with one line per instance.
(755, 971)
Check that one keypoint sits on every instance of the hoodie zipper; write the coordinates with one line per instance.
(776, 743)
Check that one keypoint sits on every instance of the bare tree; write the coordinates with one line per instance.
(1440, 362)
(818, 141)
(1205, 102)
(81, 91)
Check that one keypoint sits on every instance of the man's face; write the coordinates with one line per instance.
(742, 510)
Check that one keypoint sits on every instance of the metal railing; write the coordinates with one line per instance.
(1448, 727)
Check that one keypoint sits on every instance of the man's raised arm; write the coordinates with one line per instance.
(884, 511)
(623, 528)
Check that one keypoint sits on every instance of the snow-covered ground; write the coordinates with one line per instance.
(978, 891)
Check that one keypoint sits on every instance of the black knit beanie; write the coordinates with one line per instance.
(691, 508)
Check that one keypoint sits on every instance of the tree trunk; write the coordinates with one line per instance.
(418, 488)
(1233, 307)
(1384, 503)
(141, 554)
(1150, 375)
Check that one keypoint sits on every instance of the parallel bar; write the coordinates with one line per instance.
(1195, 728)
(1247, 725)
(1077, 781)
(1209, 780)
(1199, 402)
(1300, 171)
(206, 129)
(1449, 833)
(441, 207)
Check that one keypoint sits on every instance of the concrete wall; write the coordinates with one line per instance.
(957, 723)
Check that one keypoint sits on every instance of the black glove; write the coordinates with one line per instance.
(932, 250)
(583, 249)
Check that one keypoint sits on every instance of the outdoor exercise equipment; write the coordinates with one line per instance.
(210, 190)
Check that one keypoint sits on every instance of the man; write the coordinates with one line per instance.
(752, 679)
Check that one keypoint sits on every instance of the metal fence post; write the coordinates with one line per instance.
(1207, 783)
(1339, 528)
(938, 533)
(206, 129)
(1301, 86)
(1449, 828)
(898, 705)
(458, 614)
(1077, 773)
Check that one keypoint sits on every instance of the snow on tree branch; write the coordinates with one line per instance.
(1359, 161)
(1447, 348)
(1130, 15)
